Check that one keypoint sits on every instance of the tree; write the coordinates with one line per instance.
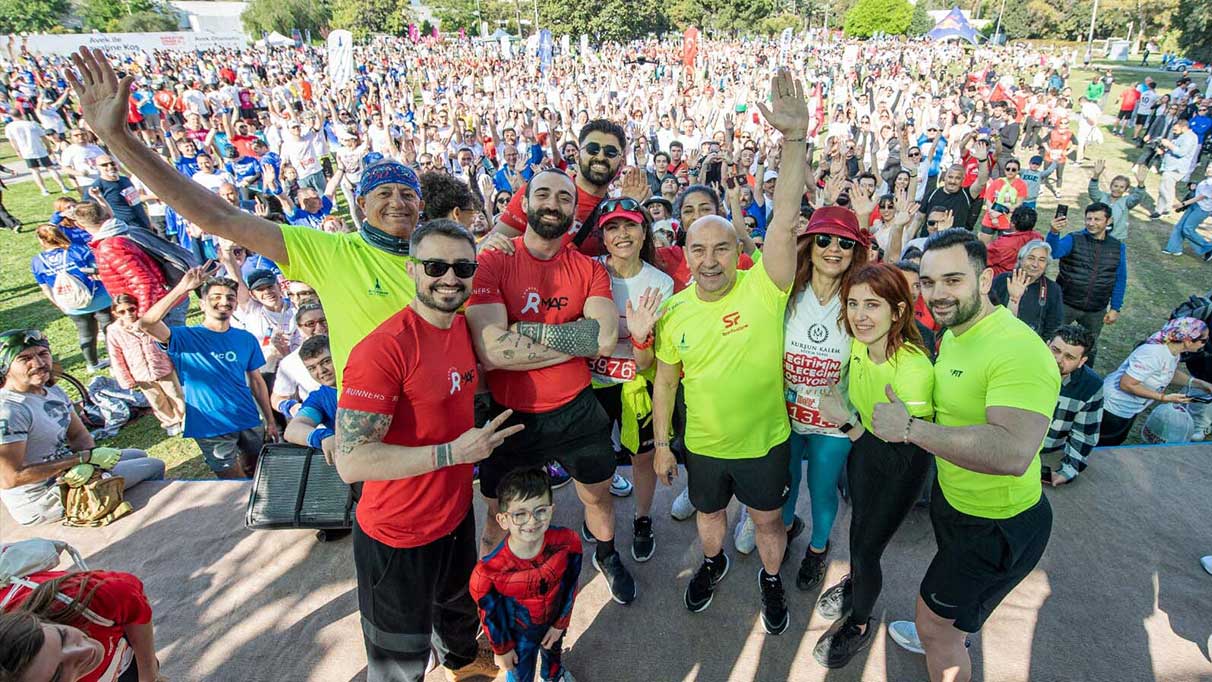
(364, 17)
(605, 20)
(147, 22)
(17, 16)
(775, 25)
(920, 23)
(284, 16)
(1194, 24)
(869, 17)
(128, 15)
(467, 14)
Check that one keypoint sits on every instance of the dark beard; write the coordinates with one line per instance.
(965, 310)
(594, 177)
(427, 297)
(535, 220)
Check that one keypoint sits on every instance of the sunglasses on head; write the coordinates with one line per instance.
(438, 268)
(17, 339)
(609, 151)
(625, 203)
(824, 240)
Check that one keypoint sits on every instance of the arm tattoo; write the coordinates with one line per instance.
(356, 428)
(443, 456)
(579, 338)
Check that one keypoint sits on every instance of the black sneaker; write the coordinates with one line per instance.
(622, 586)
(812, 569)
(643, 542)
(587, 535)
(774, 603)
(702, 586)
(841, 642)
(1208, 257)
(796, 529)
(835, 603)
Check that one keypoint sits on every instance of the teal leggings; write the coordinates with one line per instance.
(825, 456)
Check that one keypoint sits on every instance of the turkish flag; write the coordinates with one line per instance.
(690, 46)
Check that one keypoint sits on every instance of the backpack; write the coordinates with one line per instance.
(173, 260)
(21, 559)
(69, 293)
(1199, 307)
(99, 502)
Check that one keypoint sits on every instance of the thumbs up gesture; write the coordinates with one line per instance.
(890, 420)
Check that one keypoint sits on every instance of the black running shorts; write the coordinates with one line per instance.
(760, 483)
(979, 560)
(576, 434)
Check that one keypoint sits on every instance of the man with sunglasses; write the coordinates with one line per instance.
(723, 339)
(125, 200)
(1003, 194)
(539, 311)
(599, 161)
(406, 430)
(360, 273)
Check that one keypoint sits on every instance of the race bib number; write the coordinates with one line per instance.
(804, 408)
(619, 369)
(131, 195)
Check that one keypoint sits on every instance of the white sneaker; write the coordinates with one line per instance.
(745, 535)
(620, 486)
(682, 509)
(1206, 562)
(904, 633)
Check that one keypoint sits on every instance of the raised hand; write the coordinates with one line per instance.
(1017, 284)
(634, 184)
(641, 318)
(1099, 166)
(788, 110)
(103, 97)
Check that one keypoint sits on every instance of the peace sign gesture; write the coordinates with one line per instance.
(476, 444)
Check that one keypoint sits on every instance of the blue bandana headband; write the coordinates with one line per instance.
(388, 172)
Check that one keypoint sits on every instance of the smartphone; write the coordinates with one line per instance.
(1062, 211)
(999, 208)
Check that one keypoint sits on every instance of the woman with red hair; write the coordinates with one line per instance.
(887, 359)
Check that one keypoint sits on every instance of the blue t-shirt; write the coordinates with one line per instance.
(213, 368)
(187, 166)
(308, 219)
(224, 145)
(78, 261)
(321, 406)
(244, 167)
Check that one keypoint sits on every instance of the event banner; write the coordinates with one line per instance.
(67, 43)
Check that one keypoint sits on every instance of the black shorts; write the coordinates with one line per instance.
(990, 230)
(760, 483)
(611, 399)
(1141, 118)
(1125, 115)
(979, 560)
(40, 162)
(577, 435)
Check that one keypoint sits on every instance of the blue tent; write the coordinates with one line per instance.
(954, 25)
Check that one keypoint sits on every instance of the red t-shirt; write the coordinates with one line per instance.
(549, 291)
(1128, 100)
(119, 598)
(515, 217)
(425, 378)
(1010, 194)
(921, 313)
(243, 144)
(672, 261)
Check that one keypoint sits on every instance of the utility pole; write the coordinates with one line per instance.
(997, 29)
(1090, 37)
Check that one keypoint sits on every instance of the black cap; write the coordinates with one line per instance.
(261, 278)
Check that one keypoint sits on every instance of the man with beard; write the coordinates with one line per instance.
(359, 274)
(722, 338)
(992, 410)
(537, 313)
(219, 369)
(405, 429)
(601, 156)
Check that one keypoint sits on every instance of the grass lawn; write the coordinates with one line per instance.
(1156, 283)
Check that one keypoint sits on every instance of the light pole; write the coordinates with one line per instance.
(1090, 36)
(998, 28)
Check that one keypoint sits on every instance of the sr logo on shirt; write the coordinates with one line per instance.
(732, 323)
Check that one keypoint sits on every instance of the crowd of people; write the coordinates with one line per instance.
(535, 270)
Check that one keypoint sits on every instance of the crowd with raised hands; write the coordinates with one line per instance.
(765, 269)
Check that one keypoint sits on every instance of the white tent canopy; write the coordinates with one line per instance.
(275, 40)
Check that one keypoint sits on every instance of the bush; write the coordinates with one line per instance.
(869, 17)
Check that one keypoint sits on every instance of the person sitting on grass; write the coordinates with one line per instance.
(525, 588)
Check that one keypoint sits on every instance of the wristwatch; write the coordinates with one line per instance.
(848, 424)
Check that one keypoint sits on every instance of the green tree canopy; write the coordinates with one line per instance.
(285, 15)
(128, 15)
(364, 17)
(606, 20)
(920, 23)
(869, 17)
(1194, 23)
(18, 16)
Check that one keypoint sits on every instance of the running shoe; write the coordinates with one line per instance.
(812, 569)
(835, 603)
(904, 633)
(702, 586)
(620, 486)
(564, 677)
(174, 430)
(587, 535)
(745, 535)
(622, 586)
(841, 642)
(482, 667)
(101, 364)
(775, 617)
(643, 541)
(557, 476)
(682, 509)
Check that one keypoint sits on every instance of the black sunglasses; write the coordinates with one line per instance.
(438, 268)
(625, 203)
(609, 151)
(824, 240)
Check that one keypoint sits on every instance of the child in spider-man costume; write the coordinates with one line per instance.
(526, 587)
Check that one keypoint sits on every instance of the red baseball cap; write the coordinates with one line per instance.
(622, 209)
(838, 221)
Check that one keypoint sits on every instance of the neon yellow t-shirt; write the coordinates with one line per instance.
(731, 352)
(999, 362)
(360, 286)
(908, 371)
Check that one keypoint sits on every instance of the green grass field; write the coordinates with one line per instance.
(1157, 283)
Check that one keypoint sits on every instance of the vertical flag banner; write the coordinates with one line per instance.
(545, 46)
(340, 57)
(690, 47)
